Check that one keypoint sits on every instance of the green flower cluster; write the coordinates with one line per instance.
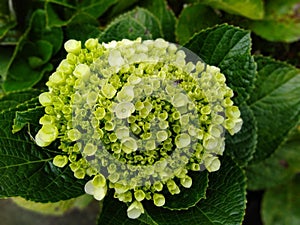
(136, 117)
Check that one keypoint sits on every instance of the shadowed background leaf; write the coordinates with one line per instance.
(281, 204)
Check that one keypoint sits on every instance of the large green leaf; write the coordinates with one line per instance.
(188, 197)
(242, 145)
(277, 169)
(275, 103)
(165, 15)
(228, 48)
(224, 204)
(136, 23)
(281, 205)
(26, 170)
(253, 9)
(193, 18)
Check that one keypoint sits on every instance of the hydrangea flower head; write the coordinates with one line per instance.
(136, 117)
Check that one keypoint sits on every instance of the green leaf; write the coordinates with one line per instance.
(58, 13)
(224, 204)
(7, 104)
(6, 53)
(277, 9)
(281, 205)
(29, 116)
(82, 27)
(281, 22)
(29, 61)
(228, 48)
(21, 74)
(242, 145)
(94, 7)
(165, 15)
(136, 23)
(26, 170)
(114, 212)
(253, 9)
(7, 18)
(7, 56)
(5, 27)
(277, 169)
(38, 53)
(38, 30)
(20, 100)
(188, 197)
(120, 7)
(275, 103)
(192, 19)
(19, 96)
(272, 30)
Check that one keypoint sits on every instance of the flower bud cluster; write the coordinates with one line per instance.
(136, 116)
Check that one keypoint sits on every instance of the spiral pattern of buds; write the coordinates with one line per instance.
(136, 117)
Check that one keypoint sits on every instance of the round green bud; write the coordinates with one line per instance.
(45, 99)
(158, 199)
(128, 145)
(135, 210)
(139, 195)
(73, 46)
(89, 149)
(108, 91)
(74, 134)
(124, 110)
(186, 181)
(60, 160)
(46, 135)
(91, 44)
(99, 180)
(182, 140)
(79, 173)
